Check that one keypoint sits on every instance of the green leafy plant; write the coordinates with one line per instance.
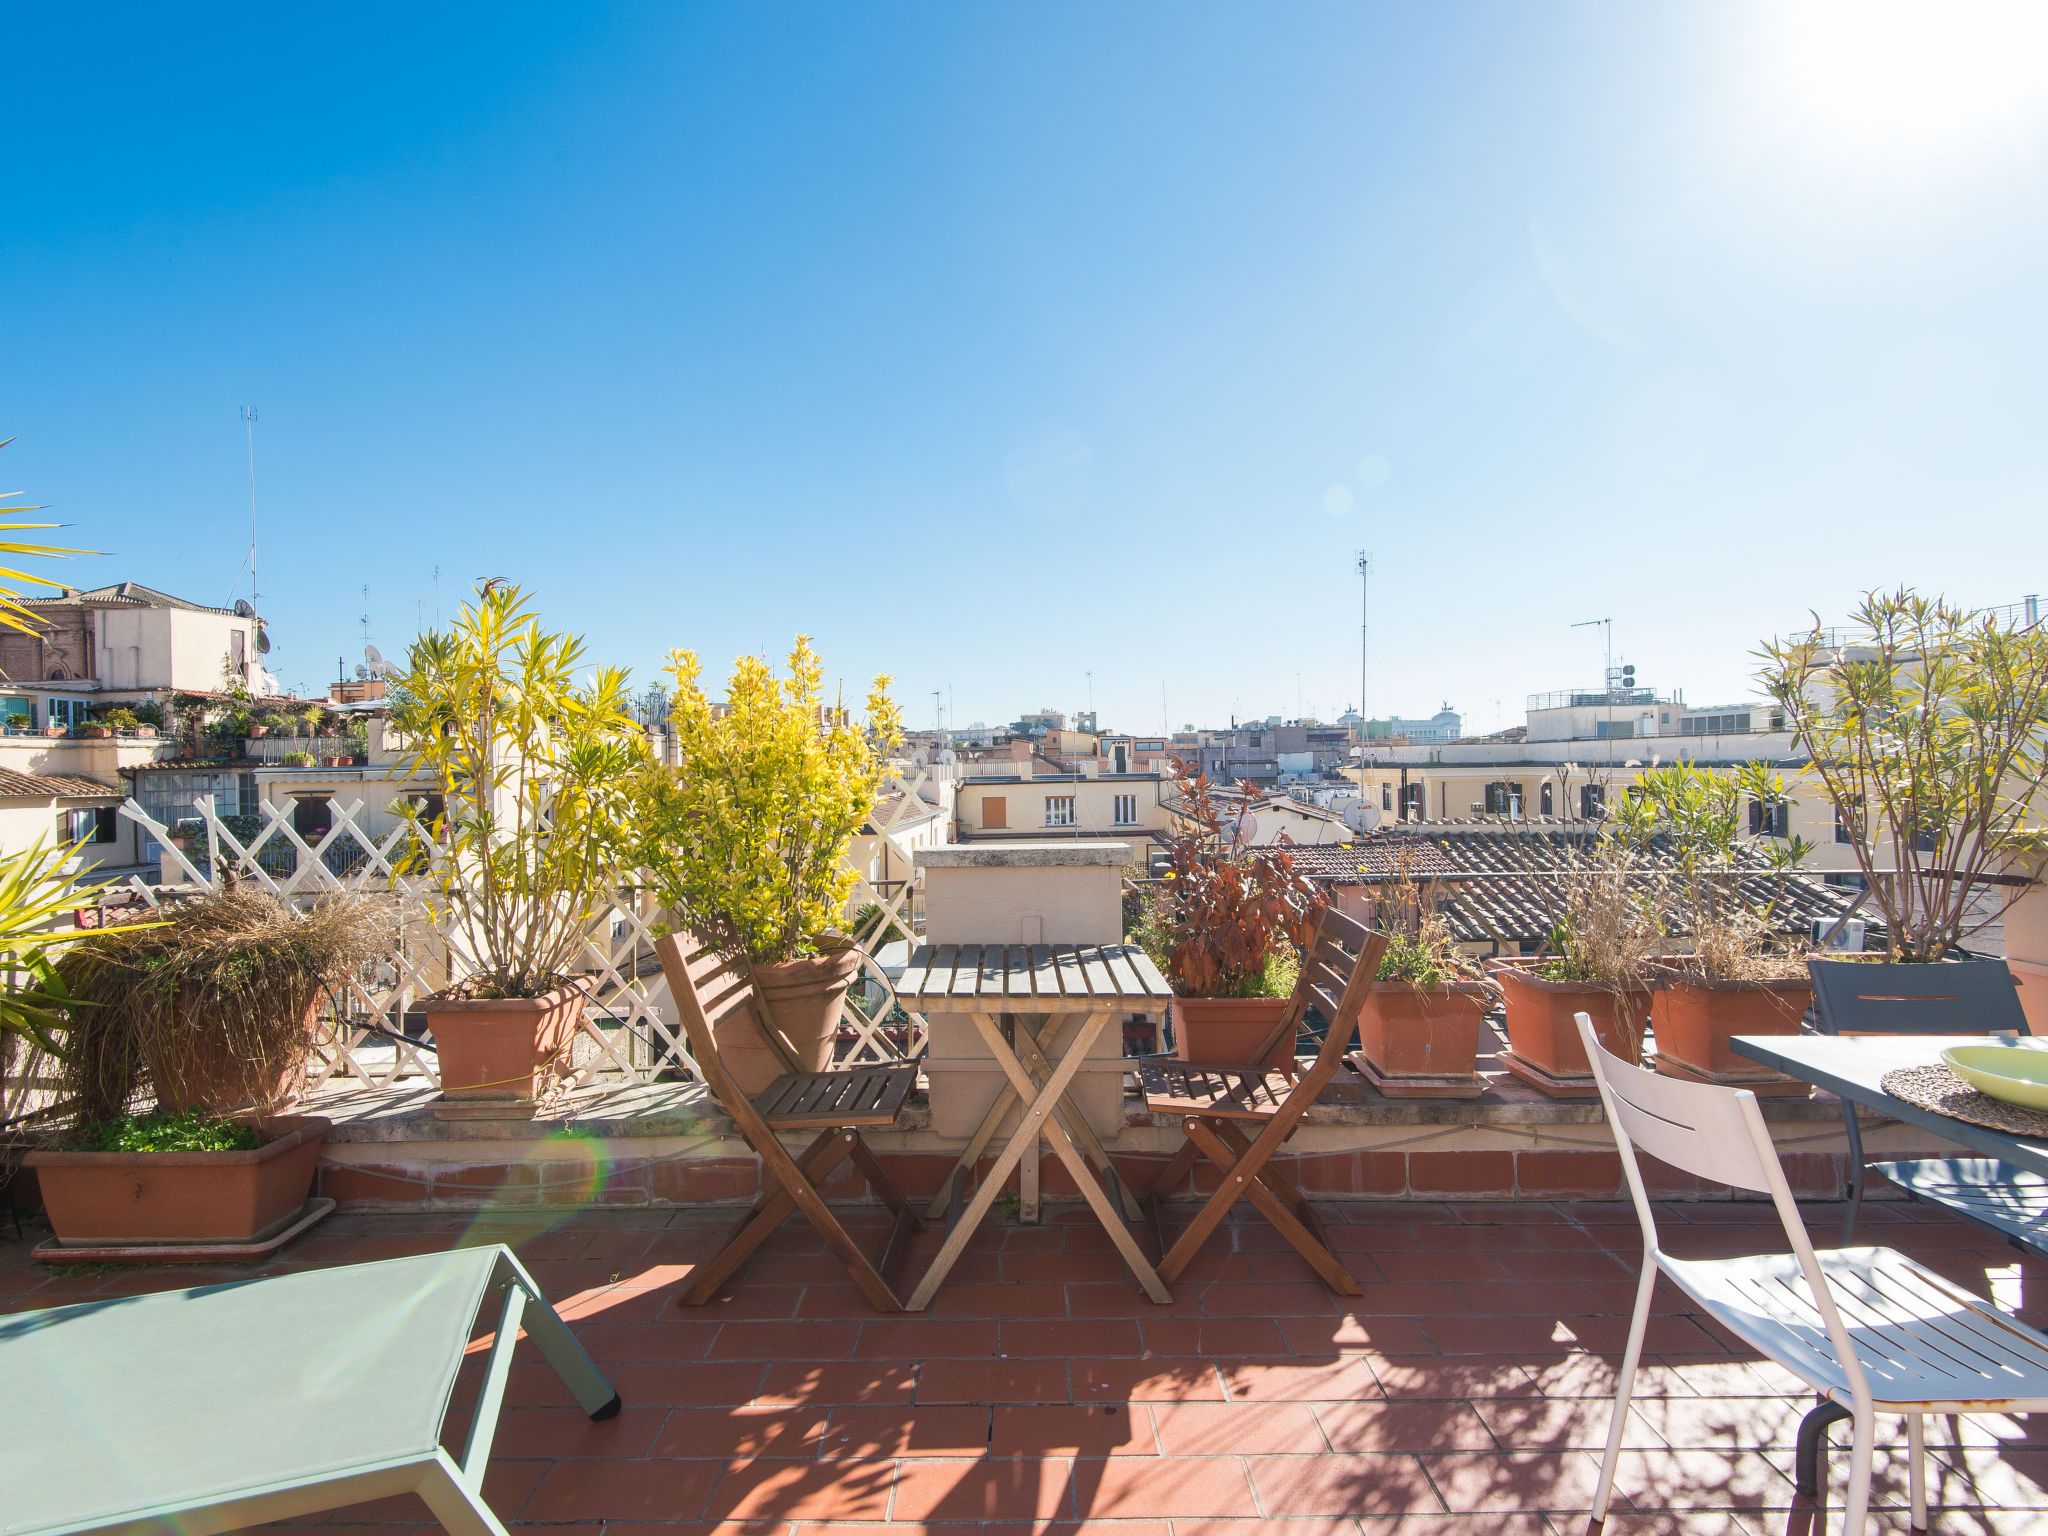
(871, 930)
(120, 718)
(1698, 813)
(298, 760)
(191, 1130)
(12, 614)
(750, 830)
(537, 775)
(1230, 907)
(37, 895)
(1612, 925)
(227, 977)
(1925, 730)
(1421, 950)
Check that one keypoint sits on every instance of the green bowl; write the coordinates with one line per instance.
(2015, 1073)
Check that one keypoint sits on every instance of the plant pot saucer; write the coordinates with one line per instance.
(1576, 1086)
(52, 1251)
(1761, 1081)
(1415, 1085)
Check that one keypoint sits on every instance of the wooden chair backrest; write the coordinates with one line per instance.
(1976, 997)
(711, 982)
(1327, 967)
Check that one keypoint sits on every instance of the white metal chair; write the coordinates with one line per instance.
(1867, 1328)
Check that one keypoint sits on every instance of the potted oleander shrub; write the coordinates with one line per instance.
(535, 771)
(746, 837)
(210, 1011)
(1235, 918)
(1598, 960)
(1423, 1017)
(1924, 729)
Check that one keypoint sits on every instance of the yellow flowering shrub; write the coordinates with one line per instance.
(752, 826)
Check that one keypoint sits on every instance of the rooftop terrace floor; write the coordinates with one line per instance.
(1462, 1393)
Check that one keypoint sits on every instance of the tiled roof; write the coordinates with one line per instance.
(1509, 885)
(122, 594)
(34, 786)
(885, 812)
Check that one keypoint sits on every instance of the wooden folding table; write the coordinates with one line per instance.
(1057, 1000)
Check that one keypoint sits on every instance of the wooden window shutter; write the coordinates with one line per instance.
(995, 811)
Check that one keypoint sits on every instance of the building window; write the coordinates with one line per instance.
(1124, 810)
(1386, 797)
(1548, 801)
(995, 812)
(1770, 819)
(1848, 821)
(1415, 802)
(1503, 798)
(1614, 730)
(1059, 810)
(17, 717)
(89, 824)
(1257, 739)
(1592, 801)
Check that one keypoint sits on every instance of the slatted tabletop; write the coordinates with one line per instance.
(1029, 978)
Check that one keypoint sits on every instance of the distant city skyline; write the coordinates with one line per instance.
(1047, 354)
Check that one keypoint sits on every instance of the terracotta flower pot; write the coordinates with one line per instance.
(805, 998)
(104, 1198)
(1694, 1017)
(500, 1047)
(208, 1075)
(1224, 1031)
(1409, 1031)
(1542, 1029)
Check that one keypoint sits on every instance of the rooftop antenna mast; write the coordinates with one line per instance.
(366, 613)
(938, 717)
(1606, 627)
(249, 425)
(1364, 594)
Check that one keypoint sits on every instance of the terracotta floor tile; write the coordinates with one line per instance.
(1514, 1482)
(838, 1381)
(1236, 1429)
(1314, 1336)
(793, 1490)
(1553, 1264)
(608, 1341)
(623, 1490)
(1020, 1266)
(1040, 1300)
(1426, 1268)
(922, 1338)
(1452, 1376)
(1405, 1427)
(1567, 1424)
(1510, 1298)
(1347, 1378)
(1096, 1338)
(1269, 1300)
(993, 1381)
(1078, 1429)
(1137, 1487)
(1459, 1525)
(906, 1429)
(1682, 1480)
(785, 1341)
(1124, 1299)
(1728, 1423)
(1149, 1381)
(742, 1434)
(983, 1489)
(569, 1432)
(683, 1384)
(1407, 1299)
(1341, 1484)
(1167, 1335)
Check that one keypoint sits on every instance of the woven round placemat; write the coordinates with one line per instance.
(1938, 1088)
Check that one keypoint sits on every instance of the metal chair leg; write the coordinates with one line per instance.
(1855, 1173)
(1809, 1461)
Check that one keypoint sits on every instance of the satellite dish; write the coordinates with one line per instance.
(362, 672)
(262, 642)
(1362, 817)
(244, 609)
(375, 665)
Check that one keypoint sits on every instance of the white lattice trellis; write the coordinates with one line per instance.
(628, 1023)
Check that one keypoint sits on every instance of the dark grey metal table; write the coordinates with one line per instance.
(1852, 1067)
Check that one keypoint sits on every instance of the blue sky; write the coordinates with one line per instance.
(996, 345)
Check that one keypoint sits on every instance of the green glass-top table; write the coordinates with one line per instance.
(229, 1405)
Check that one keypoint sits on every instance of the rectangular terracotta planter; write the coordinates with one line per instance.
(1406, 1031)
(1224, 1031)
(1543, 1031)
(1694, 1017)
(106, 1198)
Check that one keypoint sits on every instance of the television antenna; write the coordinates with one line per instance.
(1364, 594)
(1606, 628)
(249, 424)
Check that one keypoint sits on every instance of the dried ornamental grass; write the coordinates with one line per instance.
(231, 976)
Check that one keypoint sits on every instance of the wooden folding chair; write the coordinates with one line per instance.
(712, 982)
(1214, 1100)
